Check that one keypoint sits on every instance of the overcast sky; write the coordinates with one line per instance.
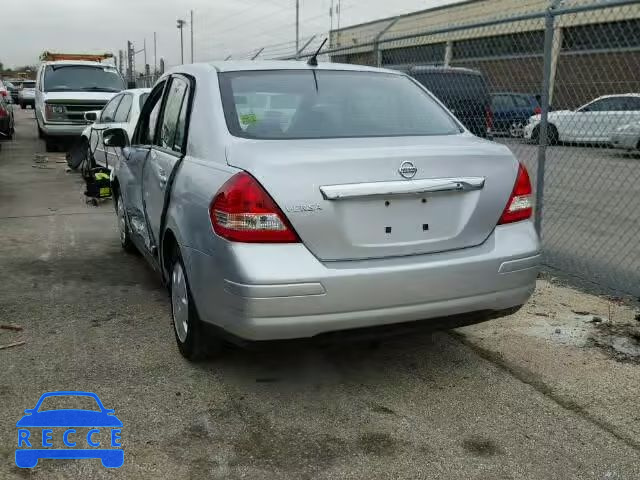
(222, 27)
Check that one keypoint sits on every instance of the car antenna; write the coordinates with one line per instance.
(313, 61)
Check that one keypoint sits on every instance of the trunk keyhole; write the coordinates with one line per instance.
(425, 227)
(424, 200)
(387, 229)
(387, 203)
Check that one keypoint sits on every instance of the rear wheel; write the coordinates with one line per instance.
(23, 106)
(552, 134)
(194, 342)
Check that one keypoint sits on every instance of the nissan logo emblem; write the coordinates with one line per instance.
(407, 170)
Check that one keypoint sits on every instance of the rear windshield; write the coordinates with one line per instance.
(295, 104)
(60, 78)
(28, 84)
(454, 85)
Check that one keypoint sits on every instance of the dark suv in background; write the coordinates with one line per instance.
(463, 91)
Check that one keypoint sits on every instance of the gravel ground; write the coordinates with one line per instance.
(503, 400)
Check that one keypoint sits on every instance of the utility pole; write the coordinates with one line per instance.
(338, 12)
(297, 28)
(180, 26)
(331, 16)
(144, 47)
(155, 53)
(121, 67)
(191, 36)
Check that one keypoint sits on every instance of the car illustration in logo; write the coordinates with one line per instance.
(69, 433)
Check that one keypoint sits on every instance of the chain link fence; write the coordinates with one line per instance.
(558, 83)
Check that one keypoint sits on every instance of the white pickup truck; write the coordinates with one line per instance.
(65, 90)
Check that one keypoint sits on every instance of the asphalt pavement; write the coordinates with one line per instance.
(443, 405)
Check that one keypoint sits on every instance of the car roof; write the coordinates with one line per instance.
(79, 62)
(617, 95)
(249, 65)
(136, 91)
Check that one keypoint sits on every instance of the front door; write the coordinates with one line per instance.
(165, 153)
(104, 121)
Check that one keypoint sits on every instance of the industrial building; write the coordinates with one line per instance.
(590, 48)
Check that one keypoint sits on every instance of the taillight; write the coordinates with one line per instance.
(3, 112)
(242, 211)
(537, 111)
(488, 119)
(520, 204)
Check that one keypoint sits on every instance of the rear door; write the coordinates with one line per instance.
(130, 170)
(165, 153)
(112, 154)
(503, 106)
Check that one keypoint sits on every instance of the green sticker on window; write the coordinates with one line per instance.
(248, 118)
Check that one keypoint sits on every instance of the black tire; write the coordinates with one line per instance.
(23, 106)
(552, 135)
(123, 226)
(40, 133)
(197, 342)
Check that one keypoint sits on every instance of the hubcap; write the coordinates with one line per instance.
(122, 223)
(179, 302)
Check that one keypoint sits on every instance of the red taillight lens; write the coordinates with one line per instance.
(242, 211)
(520, 204)
(3, 112)
(488, 118)
(537, 111)
(4, 93)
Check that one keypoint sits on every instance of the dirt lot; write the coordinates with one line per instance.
(551, 392)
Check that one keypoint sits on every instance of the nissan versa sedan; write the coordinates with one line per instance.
(354, 200)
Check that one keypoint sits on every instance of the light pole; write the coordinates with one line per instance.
(191, 25)
(180, 26)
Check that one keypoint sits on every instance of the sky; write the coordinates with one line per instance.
(221, 27)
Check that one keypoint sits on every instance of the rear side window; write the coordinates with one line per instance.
(172, 113)
(522, 102)
(502, 102)
(109, 111)
(294, 104)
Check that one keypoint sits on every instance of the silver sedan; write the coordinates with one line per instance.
(283, 200)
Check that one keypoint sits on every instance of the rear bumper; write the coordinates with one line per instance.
(627, 142)
(268, 292)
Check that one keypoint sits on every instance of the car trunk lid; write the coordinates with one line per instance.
(347, 198)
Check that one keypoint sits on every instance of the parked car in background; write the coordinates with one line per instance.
(7, 123)
(511, 111)
(627, 137)
(27, 94)
(122, 111)
(4, 92)
(463, 91)
(65, 90)
(12, 87)
(272, 233)
(594, 122)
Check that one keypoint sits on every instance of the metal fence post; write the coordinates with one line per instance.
(377, 54)
(542, 129)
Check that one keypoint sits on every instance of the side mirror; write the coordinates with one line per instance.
(91, 116)
(115, 137)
